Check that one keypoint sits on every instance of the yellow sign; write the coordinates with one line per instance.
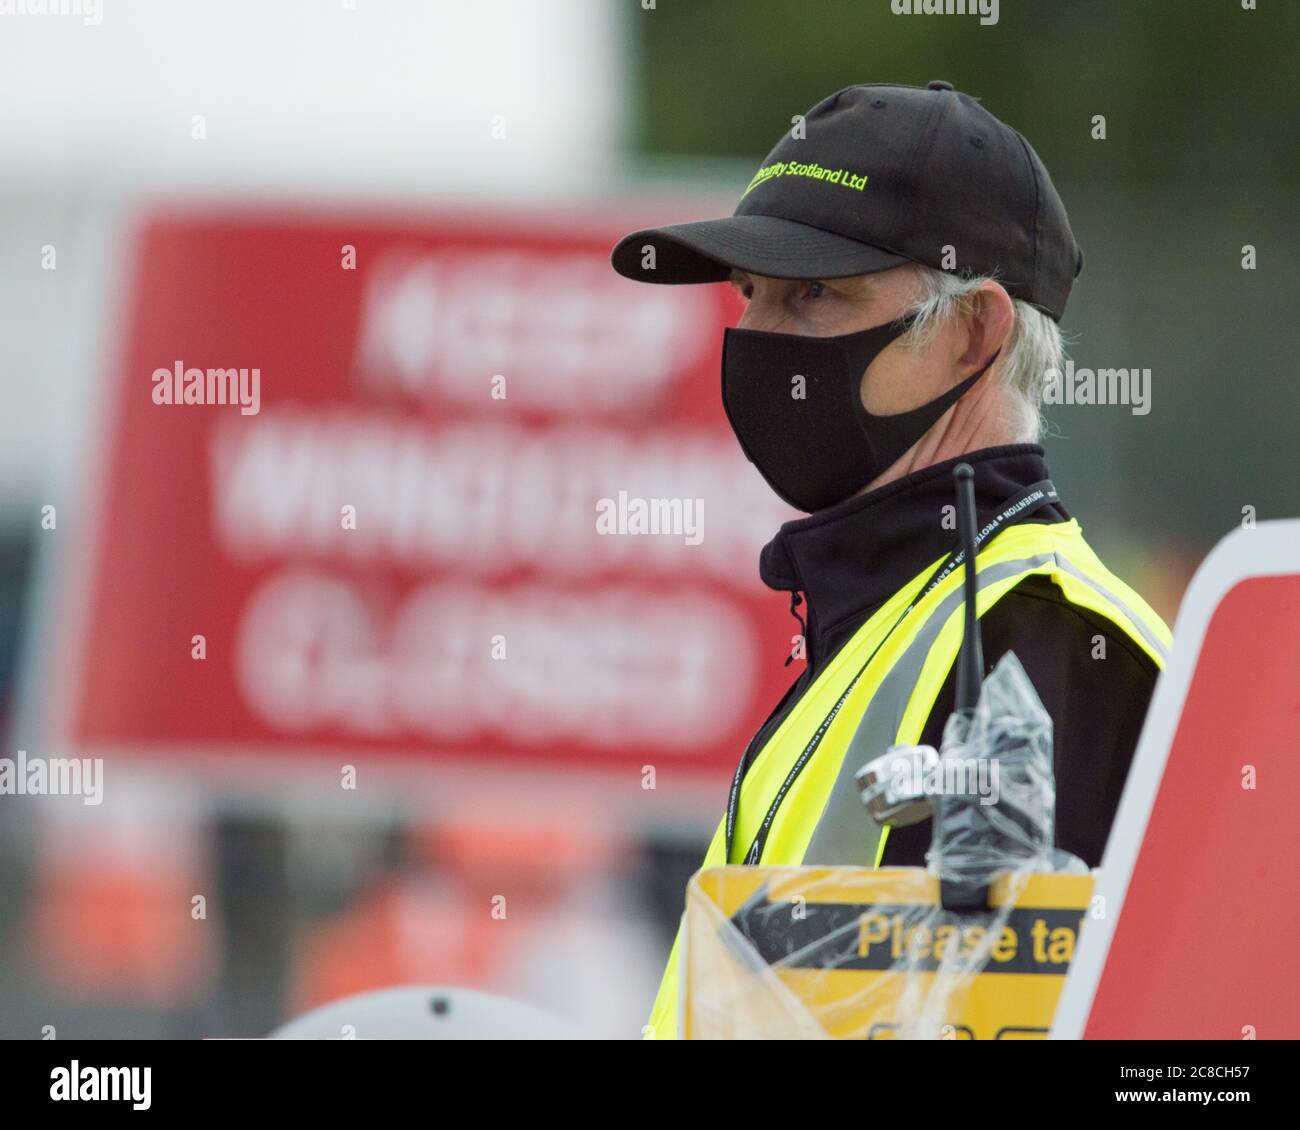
(859, 953)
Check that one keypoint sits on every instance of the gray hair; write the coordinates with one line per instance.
(1034, 349)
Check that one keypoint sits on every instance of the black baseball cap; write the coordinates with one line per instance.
(883, 175)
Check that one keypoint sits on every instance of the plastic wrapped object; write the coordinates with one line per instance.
(995, 800)
(976, 946)
(861, 953)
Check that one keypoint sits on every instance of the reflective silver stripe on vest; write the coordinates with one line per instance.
(845, 835)
(1153, 641)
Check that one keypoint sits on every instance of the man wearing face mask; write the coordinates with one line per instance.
(906, 260)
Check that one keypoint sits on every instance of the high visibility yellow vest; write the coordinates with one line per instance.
(890, 704)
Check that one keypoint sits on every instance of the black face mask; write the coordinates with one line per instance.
(818, 450)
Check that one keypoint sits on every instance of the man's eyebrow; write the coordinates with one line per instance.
(854, 284)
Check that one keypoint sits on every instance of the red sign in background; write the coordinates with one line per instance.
(1206, 945)
(399, 551)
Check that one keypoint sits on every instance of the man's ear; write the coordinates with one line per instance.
(988, 318)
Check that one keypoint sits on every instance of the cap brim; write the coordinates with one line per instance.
(709, 250)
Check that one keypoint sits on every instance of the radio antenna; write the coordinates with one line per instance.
(970, 669)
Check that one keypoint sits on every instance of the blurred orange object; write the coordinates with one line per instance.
(114, 914)
(403, 932)
(466, 921)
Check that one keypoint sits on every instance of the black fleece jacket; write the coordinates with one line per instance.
(848, 560)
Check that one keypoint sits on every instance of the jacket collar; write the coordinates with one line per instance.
(852, 557)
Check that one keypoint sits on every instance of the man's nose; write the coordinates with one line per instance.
(761, 315)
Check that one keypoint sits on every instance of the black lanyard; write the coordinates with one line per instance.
(1031, 499)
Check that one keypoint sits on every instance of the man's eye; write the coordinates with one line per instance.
(816, 290)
